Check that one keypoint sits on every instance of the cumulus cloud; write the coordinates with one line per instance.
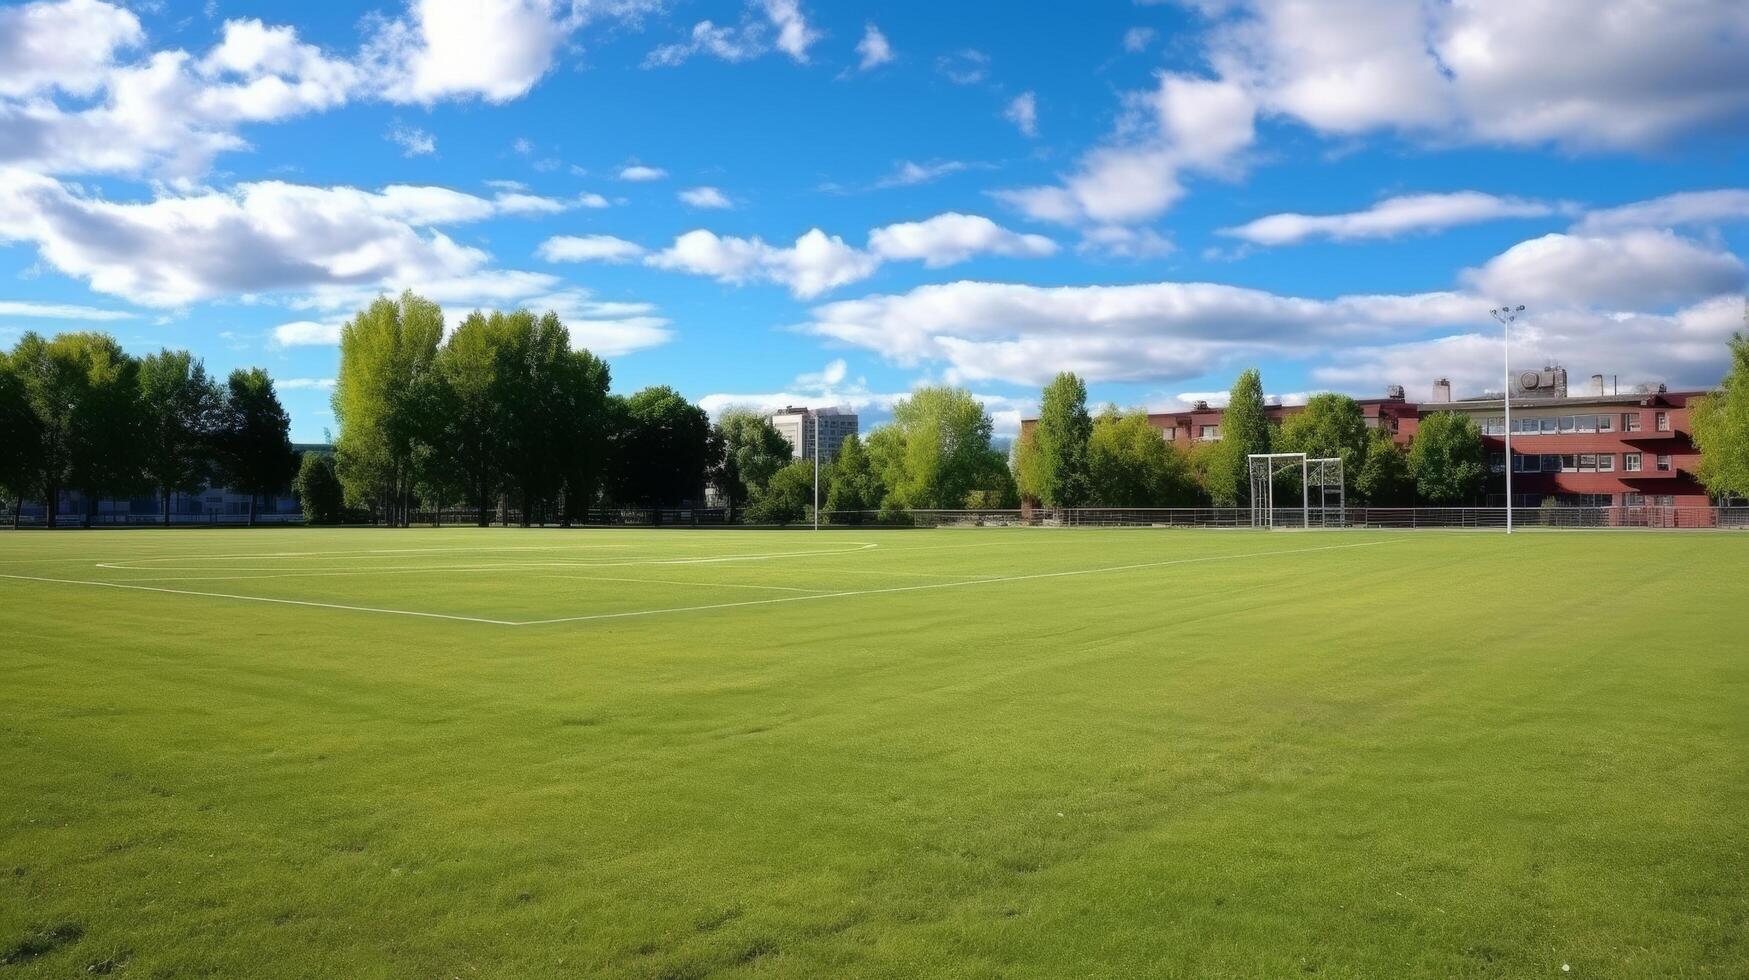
(707, 198)
(908, 173)
(59, 311)
(831, 387)
(589, 248)
(818, 262)
(1186, 124)
(260, 237)
(1490, 70)
(1137, 39)
(1637, 269)
(68, 46)
(874, 48)
(638, 173)
(951, 238)
(1389, 218)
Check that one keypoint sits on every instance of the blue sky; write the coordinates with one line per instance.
(767, 201)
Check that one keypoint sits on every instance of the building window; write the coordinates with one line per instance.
(1551, 463)
(1587, 462)
(1663, 421)
(1548, 426)
(1497, 462)
(1209, 433)
(1606, 462)
(1494, 427)
(1169, 433)
(1630, 462)
(1664, 464)
(1633, 500)
(1606, 423)
(1630, 421)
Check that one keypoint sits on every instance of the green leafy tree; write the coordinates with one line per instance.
(1245, 430)
(1330, 426)
(1448, 460)
(318, 488)
(104, 422)
(1060, 469)
(1384, 479)
(1721, 428)
(936, 452)
(1132, 465)
(856, 486)
(179, 416)
(662, 447)
(583, 468)
(787, 497)
(255, 452)
(387, 353)
(463, 405)
(51, 382)
(21, 446)
(752, 451)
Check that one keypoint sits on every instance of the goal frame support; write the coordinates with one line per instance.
(1322, 490)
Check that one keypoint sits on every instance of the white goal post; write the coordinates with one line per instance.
(1321, 502)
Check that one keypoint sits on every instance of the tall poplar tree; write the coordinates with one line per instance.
(1060, 439)
(386, 358)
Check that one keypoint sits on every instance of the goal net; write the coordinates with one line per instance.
(1293, 490)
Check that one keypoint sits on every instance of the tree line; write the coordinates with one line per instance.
(80, 414)
(1070, 458)
(503, 415)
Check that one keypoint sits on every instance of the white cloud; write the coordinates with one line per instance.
(1688, 208)
(413, 142)
(966, 67)
(1022, 111)
(909, 173)
(59, 311)
(1126, 242)
(1186, 124)
(301, 384)
(1137, 39)
(494, 49)
(1636, 269)
(873, 48)
(589, 248)
(831, 387)
(639, 173)
(950, 238)
(793, 34)
(819, 262)
(68, 46)
(257, 238)
(705, 197)
(1491, 70)
(750, 38)
(307, 333)
(1389, 218)
(816, 263)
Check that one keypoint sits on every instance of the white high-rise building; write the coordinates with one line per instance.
(797, 426)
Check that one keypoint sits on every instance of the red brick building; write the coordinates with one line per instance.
(1601, 447)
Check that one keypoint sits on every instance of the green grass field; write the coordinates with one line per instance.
(975, 753)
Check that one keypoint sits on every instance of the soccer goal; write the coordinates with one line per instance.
(1318, 500)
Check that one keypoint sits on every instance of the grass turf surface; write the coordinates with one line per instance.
(1002, 753)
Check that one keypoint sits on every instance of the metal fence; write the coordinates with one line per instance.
(1186, 517)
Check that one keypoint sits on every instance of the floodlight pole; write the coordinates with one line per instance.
(816, 414)
(1505, 315)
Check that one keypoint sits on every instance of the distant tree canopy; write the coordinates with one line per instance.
(751, 452)
(1245, 431)
(1384, 479)
(663, 444)
(1330, 426)
(1131, 465)
(1721, 428)
(1448, 460)
(79, 413)
(319, 490)
(936, 453)
(855, 484)
(1058, 473)
(787, 497)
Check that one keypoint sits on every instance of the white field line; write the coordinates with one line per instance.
(256, 598)
(709, 606)
(945, 585)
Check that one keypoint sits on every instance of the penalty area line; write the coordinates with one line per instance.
(635, 613)
(257, 598)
